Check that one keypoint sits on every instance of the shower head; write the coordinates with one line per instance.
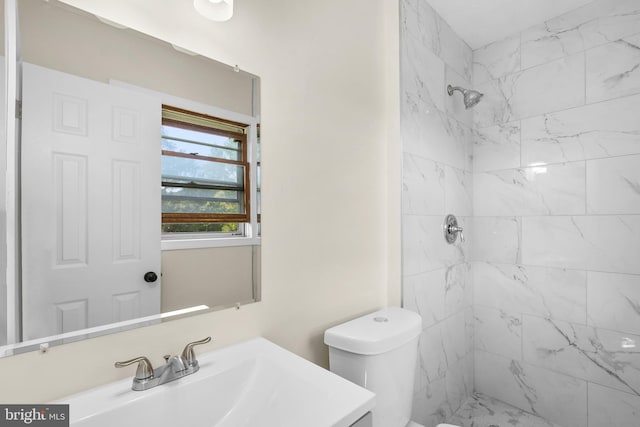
(471, 97)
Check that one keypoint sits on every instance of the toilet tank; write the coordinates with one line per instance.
(378, 351)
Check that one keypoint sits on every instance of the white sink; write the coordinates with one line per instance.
(255, 383)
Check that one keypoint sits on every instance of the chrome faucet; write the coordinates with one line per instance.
(175, 367)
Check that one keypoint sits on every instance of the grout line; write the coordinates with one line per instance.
(562, 215)
(584, 76)
(586, 192)
(566, 162)
(546, 113)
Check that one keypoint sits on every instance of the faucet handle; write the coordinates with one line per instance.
(457, 229)
(145, 369)
(188, 355)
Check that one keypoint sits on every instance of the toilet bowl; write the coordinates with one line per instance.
(379, 352)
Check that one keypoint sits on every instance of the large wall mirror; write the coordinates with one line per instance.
(140, 179)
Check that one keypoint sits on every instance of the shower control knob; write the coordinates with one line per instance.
(150, 277)
(452, 229)
(456, 229)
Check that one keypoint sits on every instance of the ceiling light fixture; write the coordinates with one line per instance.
(216, 10)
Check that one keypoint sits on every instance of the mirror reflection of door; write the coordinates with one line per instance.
(88, 178)
(91, 174)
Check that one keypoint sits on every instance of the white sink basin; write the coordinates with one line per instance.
(255, 383)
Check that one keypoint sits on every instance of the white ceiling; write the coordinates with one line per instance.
(480, 22)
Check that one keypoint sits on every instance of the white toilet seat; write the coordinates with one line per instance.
(414, 424)
(446, 425)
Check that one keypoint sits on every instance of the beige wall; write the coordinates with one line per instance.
(331, 245)
(105, 53)
(224, 277)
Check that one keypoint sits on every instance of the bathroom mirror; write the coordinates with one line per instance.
(107, 114)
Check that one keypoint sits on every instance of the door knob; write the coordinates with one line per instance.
(150, 277)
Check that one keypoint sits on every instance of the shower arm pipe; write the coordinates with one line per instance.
(451, 89)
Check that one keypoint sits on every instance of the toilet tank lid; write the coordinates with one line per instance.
(376, 332)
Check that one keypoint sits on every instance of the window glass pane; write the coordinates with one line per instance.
(185, 170)
(259, 190)
(201, 201)
(258, 202)
(200, 149)
(202, 137)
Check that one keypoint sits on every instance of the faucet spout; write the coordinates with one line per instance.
(175, 367)
(177, 364)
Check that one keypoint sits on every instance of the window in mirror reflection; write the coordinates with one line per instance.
(258, 203)
(205, 174)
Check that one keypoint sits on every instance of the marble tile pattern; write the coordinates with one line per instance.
(608, 243)
(555, 255)
(599, 356)
(540, 306)
(483, 411)
(498, 331)
(437, 141)
(441, 398)
(496, 60)
(613, 301)
(423, 245)
(594, 24)
(458, 191)
(496, 147)
(538, 190)
(613, 69)
(556, 293)
(619, 173)
(608, 407)
(520, 95)
(438, 294)
(594, 131)
(557, 397)
(496, 239)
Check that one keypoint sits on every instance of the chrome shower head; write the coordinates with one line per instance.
(471, 97)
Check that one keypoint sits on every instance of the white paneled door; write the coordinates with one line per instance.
(90, 203)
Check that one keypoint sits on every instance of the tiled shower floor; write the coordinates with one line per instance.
(483, 411)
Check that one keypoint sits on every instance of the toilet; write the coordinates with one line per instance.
(378, 351)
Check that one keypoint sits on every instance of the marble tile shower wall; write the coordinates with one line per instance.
(556, 227)
(437, 142)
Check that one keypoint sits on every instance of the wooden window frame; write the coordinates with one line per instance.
(189, 218)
